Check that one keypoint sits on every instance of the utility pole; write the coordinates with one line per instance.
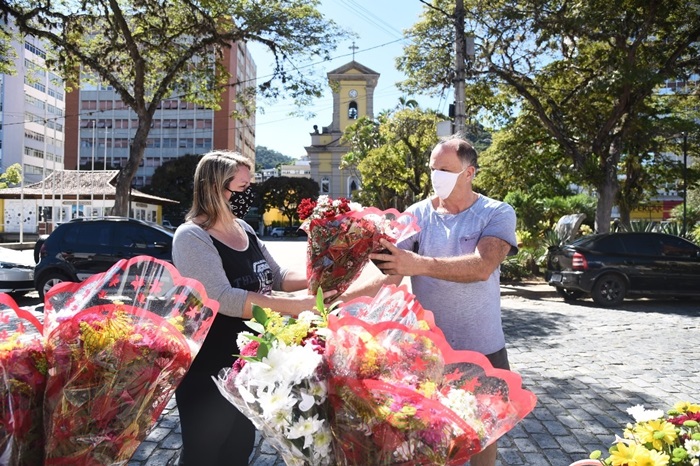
(685, 180)
(460, 67)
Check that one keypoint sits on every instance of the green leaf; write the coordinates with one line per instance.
(319, 301)
(255, 326)
(259, 315)
(263, 349)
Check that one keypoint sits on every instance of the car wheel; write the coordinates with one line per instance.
(609, 290)
(37, 248)
(48, 281)
(569, 295)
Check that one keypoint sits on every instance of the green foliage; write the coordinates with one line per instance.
(391, 156)
(537, 215)
(7, 52)
(285, 193)
(151, 50)
(11, 176)
(692, 215)
(586, 75)
(175, 180)
(267, 158)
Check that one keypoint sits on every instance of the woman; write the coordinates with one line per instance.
(221, 251)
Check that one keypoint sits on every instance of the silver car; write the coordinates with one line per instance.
(16, 272)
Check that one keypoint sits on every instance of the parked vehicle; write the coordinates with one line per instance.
(279, 232)
(16, 272)
(612, 266)
(83, 247)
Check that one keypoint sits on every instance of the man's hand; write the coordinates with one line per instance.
(396, 261)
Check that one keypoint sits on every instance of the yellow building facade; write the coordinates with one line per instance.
(353, 86)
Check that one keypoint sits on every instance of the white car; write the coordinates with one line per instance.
(16, 272)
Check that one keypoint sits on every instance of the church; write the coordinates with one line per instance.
(353, 87)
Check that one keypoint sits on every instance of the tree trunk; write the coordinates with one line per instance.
(128, 172)
(607, 191)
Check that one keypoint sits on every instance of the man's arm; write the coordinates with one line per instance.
(478, 266)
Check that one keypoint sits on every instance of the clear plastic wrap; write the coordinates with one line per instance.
(340, 241)
(399, 395)
(22, 384)
(117, 346)
(280, 385)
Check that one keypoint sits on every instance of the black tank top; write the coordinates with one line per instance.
(247, 270)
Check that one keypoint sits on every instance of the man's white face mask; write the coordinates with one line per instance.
(444, 182)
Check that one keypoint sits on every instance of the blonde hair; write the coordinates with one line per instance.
(214, 172)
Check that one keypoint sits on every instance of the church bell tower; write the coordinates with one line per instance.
(353, 87)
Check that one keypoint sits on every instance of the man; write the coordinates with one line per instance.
(455, 267)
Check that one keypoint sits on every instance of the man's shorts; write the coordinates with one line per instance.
(499, 359)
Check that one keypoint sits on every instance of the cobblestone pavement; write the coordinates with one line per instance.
(585, 364)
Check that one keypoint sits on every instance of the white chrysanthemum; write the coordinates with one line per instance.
(242, 340)
(356, 206)
(318, 389)
(276, 404)
(308, 316)
(404, 452)
(644, 415)
(462, 402)
(692, 447)
(301, 362)
(305, 427)
(322, 445)
(284, 365)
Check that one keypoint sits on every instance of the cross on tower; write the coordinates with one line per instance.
(353, 47)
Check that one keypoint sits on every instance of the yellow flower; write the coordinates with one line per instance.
(623, 454)
(427, 388)
(658, 433)
(645, 457)
(686, 407)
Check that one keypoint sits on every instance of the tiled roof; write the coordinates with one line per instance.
(62, 183)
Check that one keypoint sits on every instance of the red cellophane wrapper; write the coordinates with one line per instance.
(400, 395)
(117, 346)
(22, 384)
(342, 235)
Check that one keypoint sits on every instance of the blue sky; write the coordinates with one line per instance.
(378, 25)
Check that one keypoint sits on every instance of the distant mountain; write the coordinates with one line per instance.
(268, 158)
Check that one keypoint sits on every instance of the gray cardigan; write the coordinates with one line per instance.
(195, 256)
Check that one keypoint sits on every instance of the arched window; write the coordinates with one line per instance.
(353, 185)
(325, 185)
(352, 110)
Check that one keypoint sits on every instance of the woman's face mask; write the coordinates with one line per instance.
(241, 201)
(444, 182)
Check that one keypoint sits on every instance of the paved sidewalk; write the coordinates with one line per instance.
(585, 364)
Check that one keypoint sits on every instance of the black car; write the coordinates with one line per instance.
(83, 247)
(612, 266)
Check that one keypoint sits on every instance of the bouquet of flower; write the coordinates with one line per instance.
(658, 439)
(279, 384)
(22, 384)
(117, 346)
(400, 395)
(342, 235)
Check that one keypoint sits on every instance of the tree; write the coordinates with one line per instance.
(150, 50)
(11, 176)
(175, 180)
(267, 158)
(285, 193)
(392, 155)
(583, 69)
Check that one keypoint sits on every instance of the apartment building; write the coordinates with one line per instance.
(32, 114)
(101, 126)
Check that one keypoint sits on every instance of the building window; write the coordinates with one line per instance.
(352, 110)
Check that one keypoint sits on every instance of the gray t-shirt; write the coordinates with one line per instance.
(468, 313)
